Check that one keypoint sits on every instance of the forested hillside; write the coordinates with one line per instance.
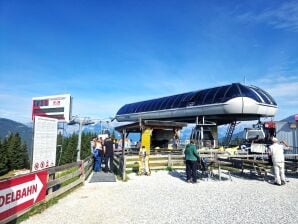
(9, 126)
(13, 154)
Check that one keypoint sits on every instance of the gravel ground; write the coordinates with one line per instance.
(164, 197)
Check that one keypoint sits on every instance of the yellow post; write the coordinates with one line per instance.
(146, 139)
(145, 152)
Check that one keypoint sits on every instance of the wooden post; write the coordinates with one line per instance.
(82, 171)
(219, 171)
(123, 141)
(51, 177)
(124, 168)
(169, 160)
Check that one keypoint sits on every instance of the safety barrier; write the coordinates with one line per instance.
(68, 176)
(255, 162)
(129, 162)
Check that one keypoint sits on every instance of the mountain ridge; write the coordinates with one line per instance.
(9, 126)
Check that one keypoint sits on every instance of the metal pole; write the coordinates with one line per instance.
(79, 141)
(202, 132)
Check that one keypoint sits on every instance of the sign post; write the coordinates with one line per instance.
(20, 193)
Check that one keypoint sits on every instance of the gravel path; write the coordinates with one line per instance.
(165, 198)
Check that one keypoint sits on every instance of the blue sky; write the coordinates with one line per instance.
(109, 53)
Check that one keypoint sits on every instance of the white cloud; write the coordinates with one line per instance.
(280, 85)
(15, 107)
(284, 89)
(284, 16)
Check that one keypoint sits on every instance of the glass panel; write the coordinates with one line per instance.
(123, 109)
(187, 98)
(142, 107)
(160, 103)
(176, 103)
(220, 95)
(249, 93)
(137, 107)
(210, 96)
(155, 104)
(164, 103)
(232, 92)
(266, 97)
(269, 96)
(170, 101)
(200, 97)
(147, 105)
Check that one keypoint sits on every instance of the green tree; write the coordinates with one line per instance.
(69, 149)
(59, 150)
(85, 146)
(11, 151)
(24, 159)
(3, 158)
(16, 152)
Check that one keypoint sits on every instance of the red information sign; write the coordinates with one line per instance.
(17, 194)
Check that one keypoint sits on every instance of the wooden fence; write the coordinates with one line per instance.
(130, 163)
(65, 177)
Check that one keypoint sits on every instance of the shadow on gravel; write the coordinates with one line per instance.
(249, 176)
(292, 175)
(201, 176)
(229, 176)
(180, 175)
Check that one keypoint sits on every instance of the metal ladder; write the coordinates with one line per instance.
(229, 133)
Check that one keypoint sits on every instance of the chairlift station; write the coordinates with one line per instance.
(206, 108)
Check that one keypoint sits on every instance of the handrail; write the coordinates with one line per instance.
(81, 171)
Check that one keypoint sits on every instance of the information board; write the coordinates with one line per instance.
(44, 143)
(57, 106)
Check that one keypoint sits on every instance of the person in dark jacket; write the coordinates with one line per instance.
(109, 148)
(191, 157)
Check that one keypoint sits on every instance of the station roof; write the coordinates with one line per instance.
(214, 95)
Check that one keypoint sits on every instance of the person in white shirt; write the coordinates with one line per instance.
(276, 150)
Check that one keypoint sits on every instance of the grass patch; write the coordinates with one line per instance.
(65, 183)
(8, 175)
(169, 168)
(65, 172)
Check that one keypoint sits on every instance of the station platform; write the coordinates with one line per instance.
(102, 177)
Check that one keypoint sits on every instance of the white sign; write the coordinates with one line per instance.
(44, 143)
(258, 148)
(56, 106)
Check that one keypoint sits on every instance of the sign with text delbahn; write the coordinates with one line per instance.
(19, 193)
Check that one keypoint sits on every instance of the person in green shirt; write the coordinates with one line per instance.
(191, 157)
